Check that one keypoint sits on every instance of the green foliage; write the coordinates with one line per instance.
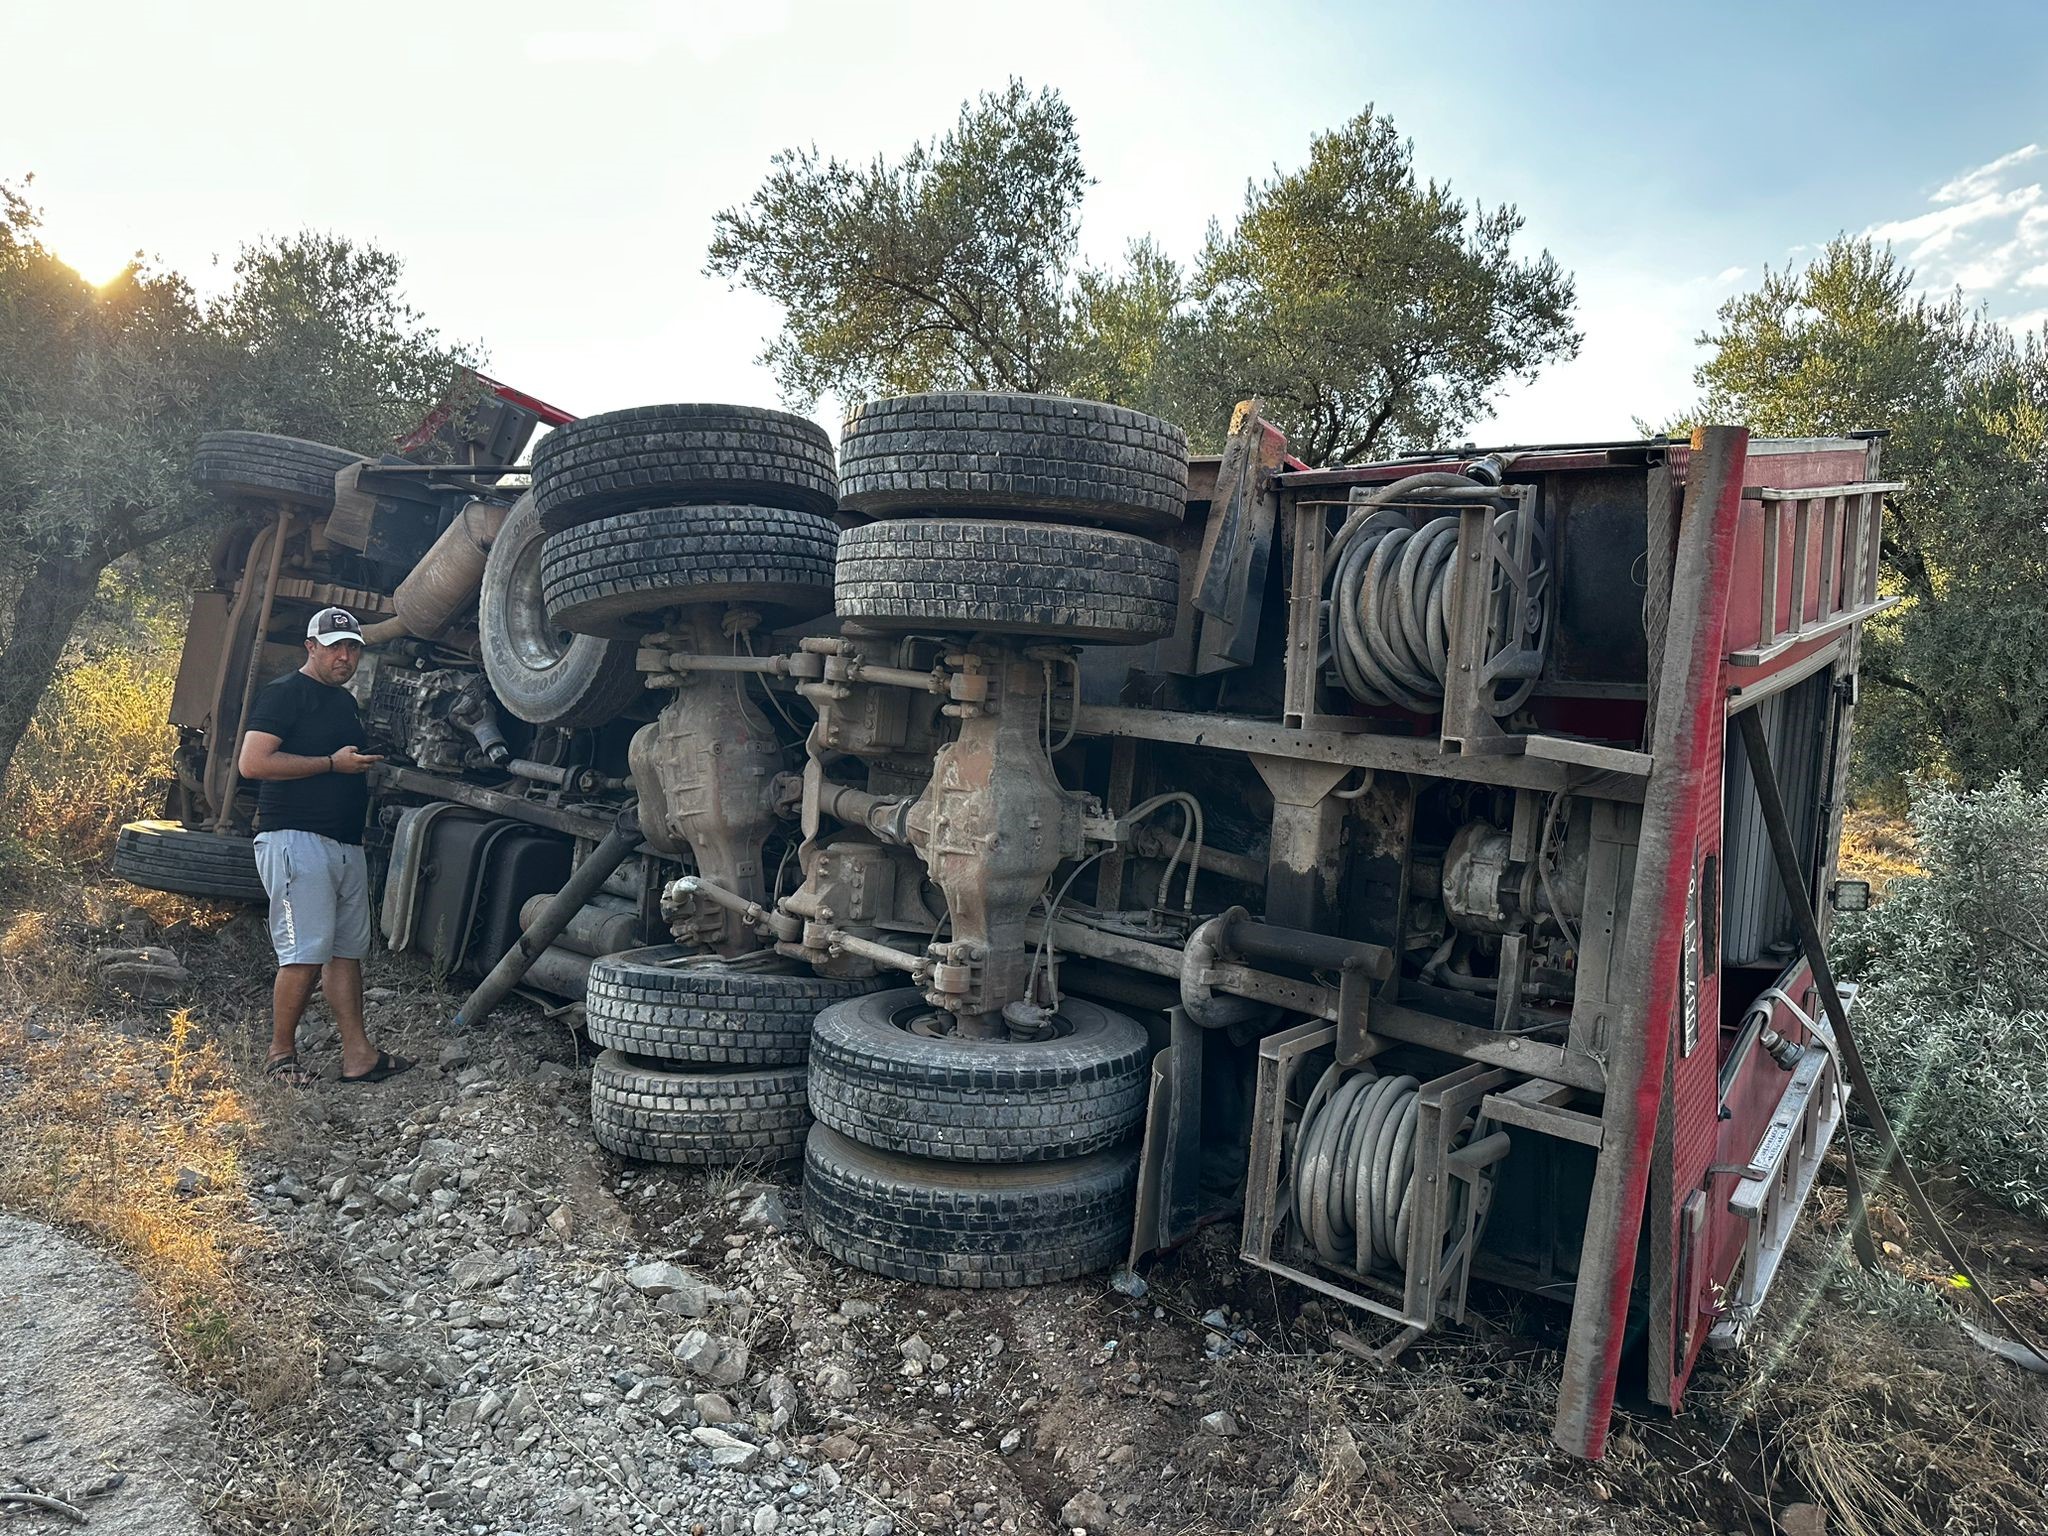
(322, 344)
(1847, 343)
(1953, 1015)
(1373, 312)
(1124, 332)
(946, 270)
(104, 391)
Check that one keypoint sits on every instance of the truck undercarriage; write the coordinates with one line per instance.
(1058, 843)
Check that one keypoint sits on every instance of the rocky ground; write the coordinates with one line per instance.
(515, 1332)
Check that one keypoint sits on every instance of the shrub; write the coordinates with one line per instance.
(1953, 1014)
(98, 752)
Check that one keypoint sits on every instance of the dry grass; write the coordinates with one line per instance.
(128, 1125)
(1865, 1391)
(1878, 845)
(97, 753)
(141, 1142)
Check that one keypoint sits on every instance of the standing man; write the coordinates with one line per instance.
(304, 747)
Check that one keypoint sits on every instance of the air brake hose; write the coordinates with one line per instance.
(1793, 881)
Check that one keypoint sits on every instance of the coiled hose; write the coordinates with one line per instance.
(1389, 586)
(1354, 1169)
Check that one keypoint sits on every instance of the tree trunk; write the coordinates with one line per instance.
(51, 601)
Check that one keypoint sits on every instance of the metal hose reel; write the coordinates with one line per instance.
(1391, 585)
(1356, 1172)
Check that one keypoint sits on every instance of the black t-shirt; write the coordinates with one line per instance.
(311, 719)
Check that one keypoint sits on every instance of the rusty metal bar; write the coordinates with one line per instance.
(255, 666)
(1364, 749)
(498, 803)
(582, 884)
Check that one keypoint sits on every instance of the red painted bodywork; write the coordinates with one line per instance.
(1703, 1140)
(437, 418)
(1731, 609)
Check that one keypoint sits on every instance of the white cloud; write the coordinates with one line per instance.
(1729, 275)
(1984, 177)
(1933, 233)
(1985, 232)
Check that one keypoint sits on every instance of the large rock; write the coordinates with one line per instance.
(479, 1270)
(727, 1450)
(658, 1279)
(712, 1357)
(764, 1213)
(713, 1408)
(1086, 1511)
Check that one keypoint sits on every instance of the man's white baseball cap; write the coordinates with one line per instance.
(331, 626)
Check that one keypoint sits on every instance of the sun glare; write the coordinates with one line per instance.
(98, 265)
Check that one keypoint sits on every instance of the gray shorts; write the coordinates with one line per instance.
(319, 897)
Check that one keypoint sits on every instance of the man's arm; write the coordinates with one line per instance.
(261, 759)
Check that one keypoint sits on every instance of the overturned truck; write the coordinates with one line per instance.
(1062, 842)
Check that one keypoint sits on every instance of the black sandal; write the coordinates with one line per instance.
(286, 1069)
(387, 1066)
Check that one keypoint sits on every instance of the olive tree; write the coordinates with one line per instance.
(1372, 312)
(104, 391)
(945, 269)
(1848, 342)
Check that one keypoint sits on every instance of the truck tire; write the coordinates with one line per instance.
(610, 576)
(667, 1004)
(705, 1119)
(260, 464)
(976, 1101)
(671, 455)
(953, 1224)
(543, 674)
(1015, 455)
(164, 856)
(1007, 578)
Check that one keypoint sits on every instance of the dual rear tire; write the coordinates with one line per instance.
(1017, 515)
(973, 1163)
(664, 506)
(704, 1060)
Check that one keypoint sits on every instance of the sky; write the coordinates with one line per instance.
(549, 173)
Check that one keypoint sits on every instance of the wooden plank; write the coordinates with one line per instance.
(1299, 683)
(1467, 718)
